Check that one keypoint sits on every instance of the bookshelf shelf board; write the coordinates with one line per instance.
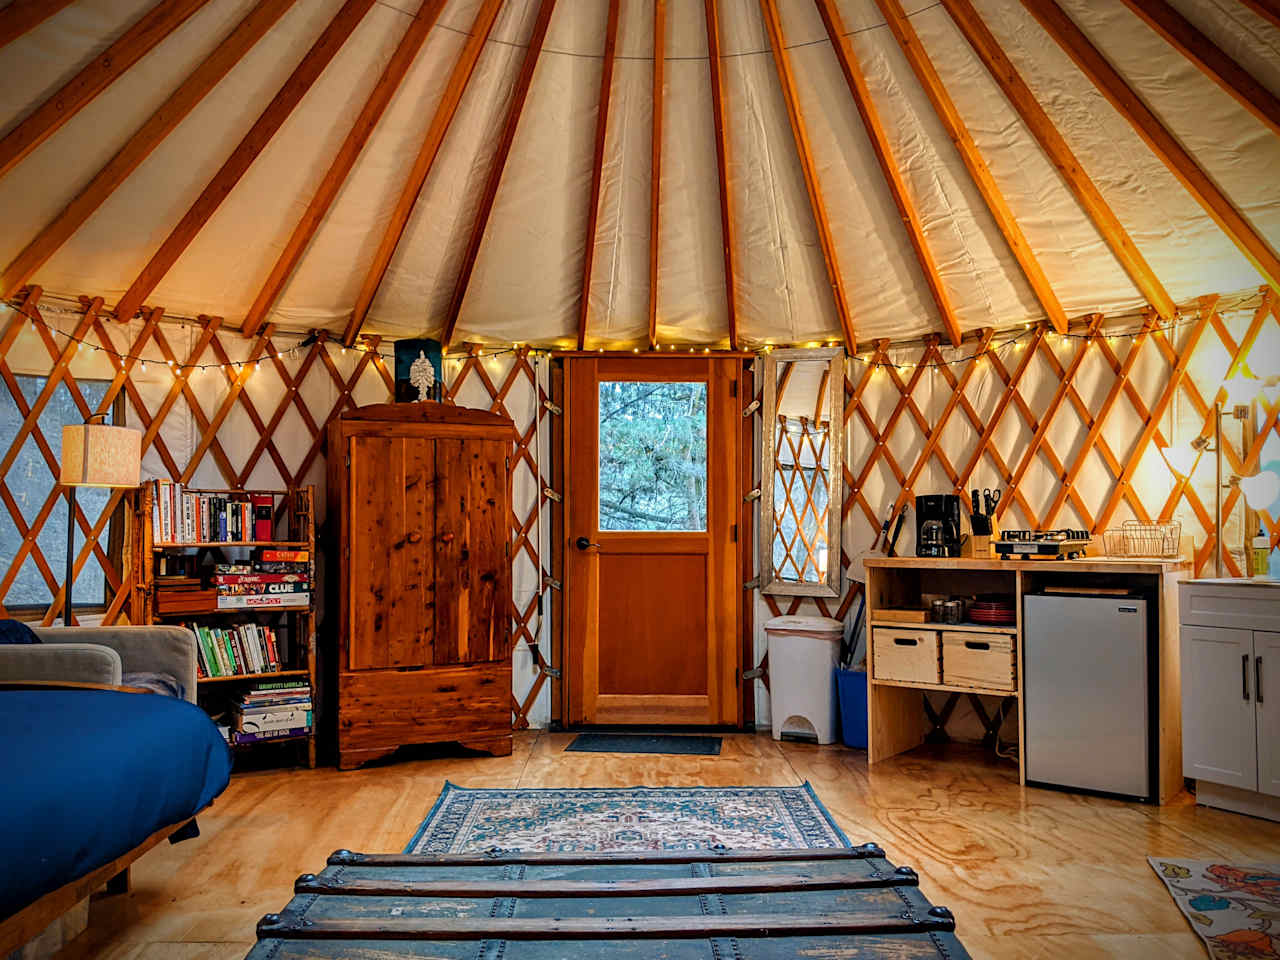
(254, 676)
(935, 625)
(945, 688)
(259, 743)
(278, 544)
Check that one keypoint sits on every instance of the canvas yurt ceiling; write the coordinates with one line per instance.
(494, 244)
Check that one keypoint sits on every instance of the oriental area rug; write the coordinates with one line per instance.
(626, 819)
(1234, 909)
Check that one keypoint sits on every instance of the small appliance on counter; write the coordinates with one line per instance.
(1042, 544)
(938, 525)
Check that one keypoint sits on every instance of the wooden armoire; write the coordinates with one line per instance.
(419, 501)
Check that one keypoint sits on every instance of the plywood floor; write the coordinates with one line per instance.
(1029, 873)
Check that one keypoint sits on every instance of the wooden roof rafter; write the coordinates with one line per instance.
(905, 34)
(861, 93)
(1055, 147)
(23, 15)
(145, 139)
(1158, 138)
(411, 41)
(463, 68)
(102, 71)
(1268, 10)
(715, 63)
(514, 109)
(597, 166)
(782, 63)
(290, 94)
(1186, 38)
(655, 162)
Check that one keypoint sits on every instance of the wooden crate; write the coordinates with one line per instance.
(905, 654)
(984, 660)
(686, 905)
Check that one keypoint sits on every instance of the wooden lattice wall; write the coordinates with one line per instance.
(1070, 427)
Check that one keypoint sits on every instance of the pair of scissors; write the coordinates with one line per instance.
(990, 498)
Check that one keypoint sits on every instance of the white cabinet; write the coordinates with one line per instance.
(1266, 657)
(1219, 723)
(1231, 693)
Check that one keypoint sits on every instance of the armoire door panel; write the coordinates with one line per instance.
(471, 553)
(392, 560)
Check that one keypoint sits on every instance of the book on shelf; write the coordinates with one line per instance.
(243, 737)
(230, 651)
(180, 516)
(273, 710)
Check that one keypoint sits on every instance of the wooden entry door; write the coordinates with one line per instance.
(652, 464)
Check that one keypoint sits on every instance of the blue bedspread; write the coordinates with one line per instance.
(90, 774)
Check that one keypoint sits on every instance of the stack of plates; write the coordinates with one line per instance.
(994, 610)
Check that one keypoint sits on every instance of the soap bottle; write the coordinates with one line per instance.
(1261, 555)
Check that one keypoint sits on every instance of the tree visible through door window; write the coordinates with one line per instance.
(31, 479)
(653, 455)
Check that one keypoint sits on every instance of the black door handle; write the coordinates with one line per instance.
(582, 543)
(1244, 677)
(1257, 679)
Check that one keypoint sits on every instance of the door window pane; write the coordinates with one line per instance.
(653, 455)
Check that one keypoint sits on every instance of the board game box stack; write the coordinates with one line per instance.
(274, 578)
(273, 711)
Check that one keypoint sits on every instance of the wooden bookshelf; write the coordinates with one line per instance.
(294, 523)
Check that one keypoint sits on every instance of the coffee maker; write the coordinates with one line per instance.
(938, 525)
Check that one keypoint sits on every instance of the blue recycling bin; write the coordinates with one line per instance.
(851, 688)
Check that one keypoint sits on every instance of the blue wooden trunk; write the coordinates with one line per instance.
(696, 905)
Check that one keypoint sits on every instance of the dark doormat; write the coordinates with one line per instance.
(644, 743)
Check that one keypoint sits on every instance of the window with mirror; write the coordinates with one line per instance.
(802, 480)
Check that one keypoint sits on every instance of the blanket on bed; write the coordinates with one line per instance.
(89, 775)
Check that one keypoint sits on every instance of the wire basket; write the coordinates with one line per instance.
(1134, 539)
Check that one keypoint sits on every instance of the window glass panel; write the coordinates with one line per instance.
(653, 455)
(30, 481)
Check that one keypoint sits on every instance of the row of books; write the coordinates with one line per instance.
(275, 578)
(236, 650)
(273, 711)
(179, 516)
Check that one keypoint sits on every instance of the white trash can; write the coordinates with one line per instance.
(803, 652)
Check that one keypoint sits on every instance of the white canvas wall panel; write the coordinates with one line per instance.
(1240, 33)
(147, 206)
(528, 274)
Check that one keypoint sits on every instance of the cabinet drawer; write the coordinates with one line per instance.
(1225, 605)
(907, 655)
(979, 660)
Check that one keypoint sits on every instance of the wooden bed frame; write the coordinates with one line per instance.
(31, 921)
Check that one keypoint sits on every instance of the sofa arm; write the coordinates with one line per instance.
(77, 662)
(151, 649)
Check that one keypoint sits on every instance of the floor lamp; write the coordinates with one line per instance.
(94, 455)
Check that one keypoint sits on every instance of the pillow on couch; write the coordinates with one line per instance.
(162, 683)
(15, 631)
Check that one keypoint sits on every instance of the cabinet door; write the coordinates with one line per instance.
(1219, 732)
(473, 563)
(390, 552)
(1266, 680)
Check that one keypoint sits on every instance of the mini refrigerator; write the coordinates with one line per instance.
(1088, 688)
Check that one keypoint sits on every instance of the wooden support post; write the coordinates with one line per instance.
(715, 63)
(23, 15)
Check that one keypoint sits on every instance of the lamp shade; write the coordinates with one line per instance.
(97, 455)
